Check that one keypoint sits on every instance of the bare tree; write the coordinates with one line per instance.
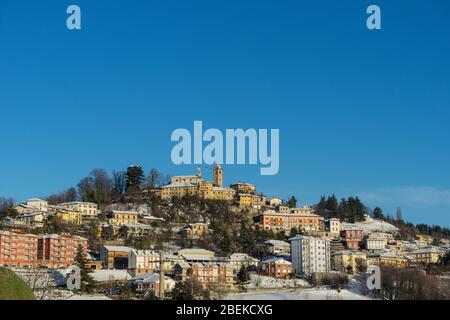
(118, 182)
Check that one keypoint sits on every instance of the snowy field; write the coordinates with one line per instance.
(301, 294)
(257, 281)
(373, 225)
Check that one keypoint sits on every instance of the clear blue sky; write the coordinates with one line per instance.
(360, 112)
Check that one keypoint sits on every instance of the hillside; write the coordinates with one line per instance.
(12, 287)
(373, 225)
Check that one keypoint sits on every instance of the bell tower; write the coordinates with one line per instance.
(218, 176)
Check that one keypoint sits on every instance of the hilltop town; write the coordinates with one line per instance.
(184, 237)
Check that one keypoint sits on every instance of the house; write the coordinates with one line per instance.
(114, 257)
(349, 260)
(276, 267)
(135, 229)
(353, 237)
(251, 200)
(376, 242)
(275, 202)
(196, 255)
(143, 261)
(276, 247)
(149, 284)
(88, 209)
(239, 260)
(334, 225)
(310, 255)
(195, 229)
(120, 218)
(32, 205)
(242, 187)
(70, 216)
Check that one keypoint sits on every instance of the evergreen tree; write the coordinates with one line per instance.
(80, 260)
(134, 178)
(292, 202)
(243, 275)
(378, 213)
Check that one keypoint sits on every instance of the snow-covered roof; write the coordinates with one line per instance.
(277, 243)
(118, 248)
(110, 275)
(179, 185)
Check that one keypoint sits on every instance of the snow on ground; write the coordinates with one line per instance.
(373, 225)
(68, 295)
(257, 281)
(299, 294)
(110, 275)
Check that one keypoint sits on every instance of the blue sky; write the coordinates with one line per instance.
(360, 112)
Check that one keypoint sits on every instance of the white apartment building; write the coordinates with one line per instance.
(377, 241)
(143, 261)
(86, 208)
(335, 226)
(38, 204)
(310, 255)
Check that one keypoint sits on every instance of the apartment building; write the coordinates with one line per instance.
(208, 275)
(70, 216)
(426, 256)
(251, 200)
(334, 225)
(88, 209)
(276, 247)
(120, 218)
(18, 250)
(310, 255)
(114, 257)
(349, 260)
(285, 221)
(143, 261)
(56, 251)
(353, 237)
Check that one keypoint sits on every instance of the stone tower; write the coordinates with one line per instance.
(218, 176)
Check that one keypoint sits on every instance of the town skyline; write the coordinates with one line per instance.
(361, 112)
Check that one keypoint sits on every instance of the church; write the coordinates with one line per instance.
(196, 186)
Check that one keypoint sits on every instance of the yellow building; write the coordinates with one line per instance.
(427, 239)
(426, 256)
(86, 208)
(242, 187)
(396, 261)
(251, 200)
(283, 209)
(218, 176)
(181, 186)
(70, 216)
(353, 260)
(119, 218)
(303, 210)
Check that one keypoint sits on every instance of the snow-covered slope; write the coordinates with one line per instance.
(372, 225)
(303, 294)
